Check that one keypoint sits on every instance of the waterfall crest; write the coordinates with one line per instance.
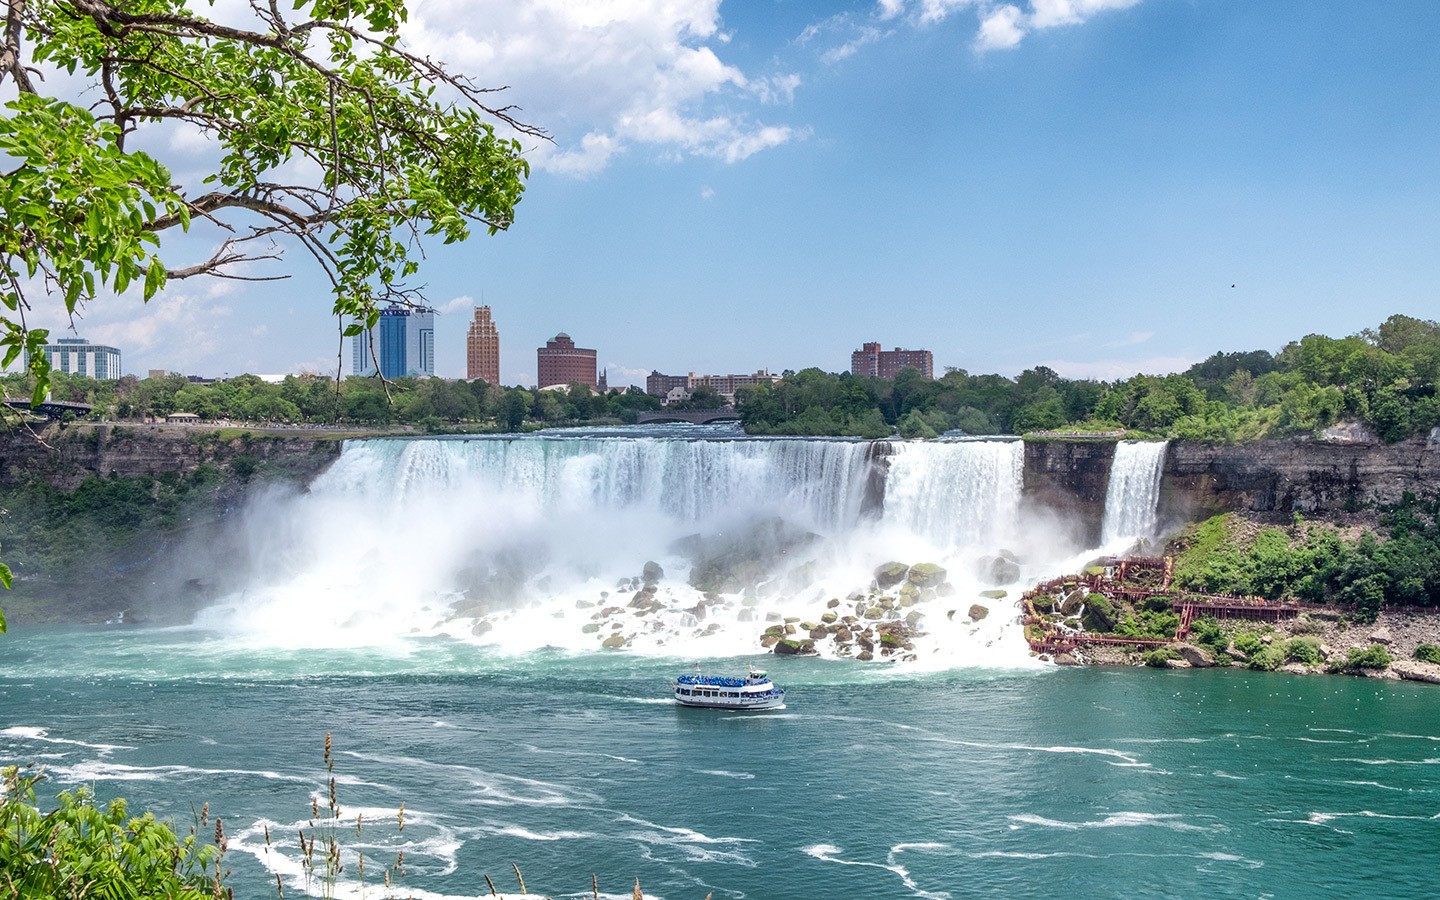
(1132, 498)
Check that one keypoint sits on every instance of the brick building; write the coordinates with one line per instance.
(482, 348)
(725, 385)
(872, 362)
(560, 362)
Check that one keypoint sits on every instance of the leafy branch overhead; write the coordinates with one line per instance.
(324, 132)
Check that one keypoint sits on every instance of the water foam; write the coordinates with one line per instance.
(1133, 495)
(539, 542)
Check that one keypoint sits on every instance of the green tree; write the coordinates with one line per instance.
(398, 145)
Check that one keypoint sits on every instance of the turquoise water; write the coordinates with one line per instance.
(970, 783)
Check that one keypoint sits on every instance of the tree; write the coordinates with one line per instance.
(402, 148)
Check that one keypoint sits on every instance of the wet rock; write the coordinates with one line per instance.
(913, 619)
(584, 604)
(999, 570)
(944, 589)
(590, 628)
(834, 602)
(829, 618)
(788, 647)
(481, 628)
(865, 656)
(640, 600)
(1381, 635)
(924, 575)
(1415, 670)
(874, 612)
(789, 629)
(769, 640)
(613, 642)
(844, 635)
(745, 615)
(996, 594)
(772, 617)
(652, 572)
(1066, 659)
(819, 634)
(890, 574)
(978, 612)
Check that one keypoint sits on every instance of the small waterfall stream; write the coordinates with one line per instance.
(1133, 496)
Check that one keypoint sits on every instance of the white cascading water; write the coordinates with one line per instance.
(521, 543)
(1133, 497)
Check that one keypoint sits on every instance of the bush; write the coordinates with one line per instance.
(1099, 614)
(1208, 633)
(1304, 650)
(1248, 643)
(1160, 657)
(1428, 653)
(79, 849)
(1267, 659)
(1373, 657)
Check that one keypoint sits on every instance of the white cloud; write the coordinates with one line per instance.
(606, 76)
(620, 376)
(462, 303)
(1001, 25)
(1001, 28)
(707, 193)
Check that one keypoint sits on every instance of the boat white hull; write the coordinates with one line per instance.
(732, 703)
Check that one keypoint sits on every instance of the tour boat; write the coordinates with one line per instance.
(754, 691)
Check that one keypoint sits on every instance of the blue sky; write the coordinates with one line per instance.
(770, 183)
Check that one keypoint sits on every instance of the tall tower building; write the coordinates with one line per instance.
(403, 342)
(482, 356)
(561, 362)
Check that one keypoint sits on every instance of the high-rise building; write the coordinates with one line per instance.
(77, 356)
(561, 362)
(873, 362)
(482, 348)
(403, 343)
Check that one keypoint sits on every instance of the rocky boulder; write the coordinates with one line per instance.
(890, 574)
(613, 642)
(999, 570)
(926, 575)
(652, 572)
(791, 647)
(1196, 657)
(978, 612)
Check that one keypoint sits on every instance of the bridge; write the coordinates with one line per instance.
(693, 416)
(52, 409)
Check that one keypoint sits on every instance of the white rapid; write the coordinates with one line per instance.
(1132, 498)
(522, 543)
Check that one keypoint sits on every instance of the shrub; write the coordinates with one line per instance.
(80, 849)
(1099, 614)
(1248, 643)
(1373, 657)
(1304, 650)
(1267, 659)
(1160, 657)
(1208, 633)
(1428, 653)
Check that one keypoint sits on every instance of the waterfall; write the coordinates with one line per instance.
(957, 493)
(1134, 491)
(541, 540)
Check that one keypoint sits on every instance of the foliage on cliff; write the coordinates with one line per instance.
(433, 403)
(1385, 377)
(1316, 563)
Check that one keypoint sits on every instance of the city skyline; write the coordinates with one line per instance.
(1103, 188)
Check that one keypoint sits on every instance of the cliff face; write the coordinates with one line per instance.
(1068, 480)
(1313, 477)
(1317, 478)
(78, 452)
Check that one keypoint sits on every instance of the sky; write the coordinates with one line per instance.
(1104, 187)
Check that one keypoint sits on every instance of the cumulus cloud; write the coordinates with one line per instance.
(462, 303)
(621, 376)
(607, 76)
(1001, 28)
